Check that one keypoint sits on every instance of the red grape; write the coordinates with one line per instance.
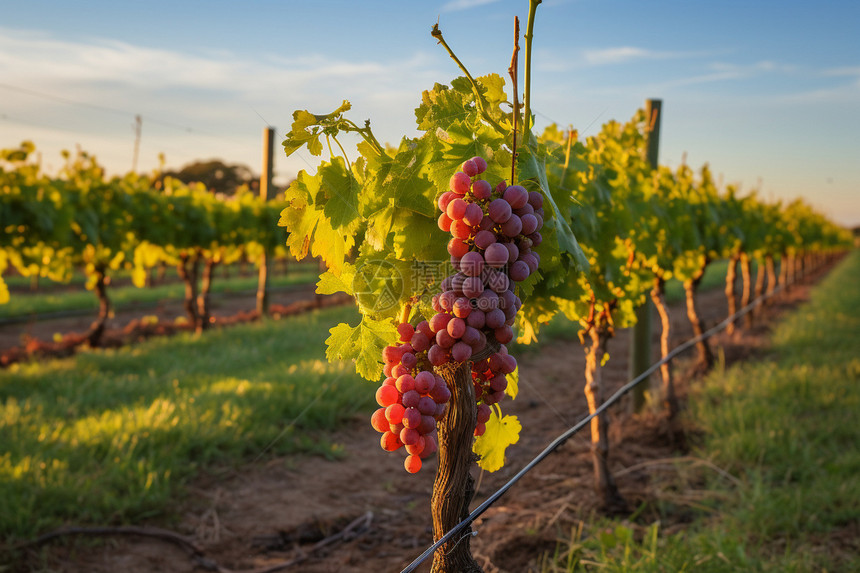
(460, 183)
(457, 247)
(480, 163)
(444, 222)
(484, 239)
(481, 190)
(387, 395)
(390, 441)
(499, 210)
(405, 330)
(378, 421)
(461, 352)
(496, 255)
(412, 463)
(516, 195)
(472, 264)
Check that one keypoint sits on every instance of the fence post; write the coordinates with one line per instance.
(640, 339)
(265, 195)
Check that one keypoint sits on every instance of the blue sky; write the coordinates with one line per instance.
(766, 92)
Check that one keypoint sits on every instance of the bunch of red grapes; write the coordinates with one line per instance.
(494, 230)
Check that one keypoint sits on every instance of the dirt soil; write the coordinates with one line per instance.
(364, 513)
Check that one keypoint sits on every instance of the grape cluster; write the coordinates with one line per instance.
(411, 398)
(494, 230)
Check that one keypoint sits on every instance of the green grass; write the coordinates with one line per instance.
(112, 436)
(24, 304)
(786, 428)
(715, 277)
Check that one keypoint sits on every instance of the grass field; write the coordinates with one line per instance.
(112, 436)
(786, 428)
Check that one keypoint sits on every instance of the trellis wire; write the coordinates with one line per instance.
(555, 444)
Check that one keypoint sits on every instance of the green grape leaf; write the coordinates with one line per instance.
(380, 284)
(362, 344)
(494, 89)
(460, 141)
(300, 136)
(501, 432)
(418, 237)
(379, 226)
(309, 227)
(439, 107)
(341, 192)
(530, 167)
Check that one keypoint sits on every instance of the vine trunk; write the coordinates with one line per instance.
(604, 484)
(746, 271)
(705, 359)
(203, 308)
(97, 329)
(188, 269)
(658, 297)
(731, 278)
(454, 486)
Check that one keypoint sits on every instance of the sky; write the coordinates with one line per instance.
(767, 92)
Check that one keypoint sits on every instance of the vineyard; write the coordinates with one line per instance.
(81, 220)
(498, 276)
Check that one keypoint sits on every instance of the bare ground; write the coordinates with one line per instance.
(364, 513)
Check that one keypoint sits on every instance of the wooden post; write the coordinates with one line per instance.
(640, 339)
(265, 195)
(138, 124)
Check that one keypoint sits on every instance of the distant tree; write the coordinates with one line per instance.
(216, 175)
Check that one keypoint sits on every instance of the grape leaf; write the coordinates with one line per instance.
(439, 107)
(310, 229)
(299, 135)
(513, 383)
(4, 290)
(331, 283)
(341, 192)
(363, 344)
(532, 167)
(501, 432)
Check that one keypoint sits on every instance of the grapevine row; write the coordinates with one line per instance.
(53, 225)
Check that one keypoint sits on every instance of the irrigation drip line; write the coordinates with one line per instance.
(555, 444)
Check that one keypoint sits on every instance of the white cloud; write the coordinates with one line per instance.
(617, 55)
(75, 85)
(845, 71)
(755, 68)
(458, 5)
(552, 61)
(625, 54)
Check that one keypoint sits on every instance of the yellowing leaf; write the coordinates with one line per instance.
(4, 290)
(138, 277)
(513, 383)
(331, 283)
(363, 344)
(502, 431)
(604, 359)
